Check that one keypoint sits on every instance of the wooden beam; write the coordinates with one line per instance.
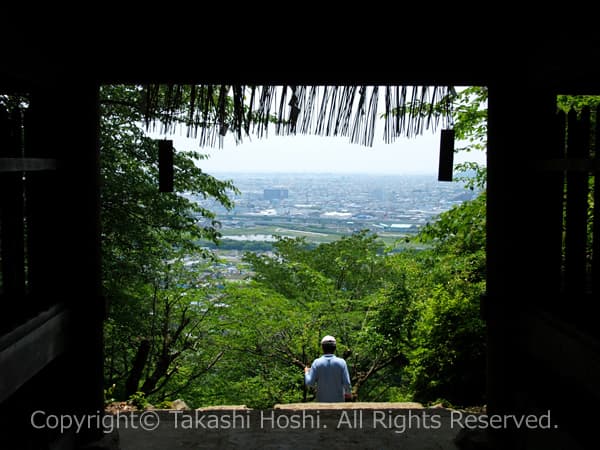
(26, 164)
(568, 165)
(29, 348)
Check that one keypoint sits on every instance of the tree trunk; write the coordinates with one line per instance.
(133, 381)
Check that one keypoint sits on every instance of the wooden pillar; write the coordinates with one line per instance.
(81, 188)
(45, 208)
(12, 225)
(498, 301)
(576, 212)
(518, 232)
(596, 224)
(525, 255)
(65, 239)
(546, 228)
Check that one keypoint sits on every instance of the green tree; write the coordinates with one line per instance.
(469, 113)
(142, 230)
(297, 295)
(164, 341)
(448, 348)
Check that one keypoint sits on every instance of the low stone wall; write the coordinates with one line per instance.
(297, 426)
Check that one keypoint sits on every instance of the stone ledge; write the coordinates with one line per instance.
(224, 407)
(350, 405)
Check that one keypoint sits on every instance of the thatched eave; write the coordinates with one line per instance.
(210, 111)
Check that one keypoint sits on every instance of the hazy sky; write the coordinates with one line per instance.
(323, 154)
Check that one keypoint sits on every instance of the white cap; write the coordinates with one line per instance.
(328, 340)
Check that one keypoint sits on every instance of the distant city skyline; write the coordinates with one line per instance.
(318, 154)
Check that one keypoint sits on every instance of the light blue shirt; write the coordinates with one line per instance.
(330, 373)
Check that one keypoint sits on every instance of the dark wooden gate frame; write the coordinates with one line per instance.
(539, 353)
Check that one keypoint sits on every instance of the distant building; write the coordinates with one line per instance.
(275, 194)
(379, 194)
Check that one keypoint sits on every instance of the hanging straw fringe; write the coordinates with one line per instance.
(350, 111)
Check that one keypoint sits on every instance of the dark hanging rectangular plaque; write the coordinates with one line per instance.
(446, 155)
(165, 166)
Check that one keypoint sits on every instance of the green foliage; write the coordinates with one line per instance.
(165, 404)
(138, 400)
(146, 235)
(448, 358)
(470, 128)
(448, 351)
(141, 226)
(447, 337)
(459, 231)
(301, 293)
(469, 108)
(407, 322)
(577, 102)
(109, 394)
